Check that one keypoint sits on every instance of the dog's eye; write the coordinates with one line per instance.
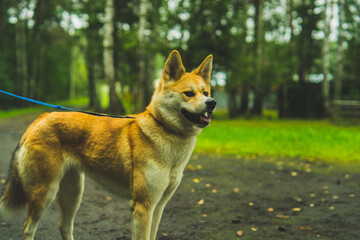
(189, 93)
(206, 93)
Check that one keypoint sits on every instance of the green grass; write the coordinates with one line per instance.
(20, 111)
(37, 109)
(293, 138)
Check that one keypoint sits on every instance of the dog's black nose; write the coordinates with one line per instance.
(210, 104)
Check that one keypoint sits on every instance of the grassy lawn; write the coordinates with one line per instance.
(292, 138)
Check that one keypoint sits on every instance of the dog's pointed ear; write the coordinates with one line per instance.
(173, 69)
(205, 68)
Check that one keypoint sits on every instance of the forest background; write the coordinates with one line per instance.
(297, 54)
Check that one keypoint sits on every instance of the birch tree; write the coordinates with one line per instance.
(143, 83)
(116, 105)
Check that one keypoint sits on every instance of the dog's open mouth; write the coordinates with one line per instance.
(202, 119)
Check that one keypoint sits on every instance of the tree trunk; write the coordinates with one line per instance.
(72, 89)
(36, 50)
(258, 52)
(283, 91)
(244, 102)
(115, 106)
(326, 57)
(91, 70)
(339, 53)
(21, 52)
(93, 102)
(233, 109)
(143, 79)
(281, 100)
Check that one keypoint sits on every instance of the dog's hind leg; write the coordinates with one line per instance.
(38, 202)
(40, 170)
(69, 199)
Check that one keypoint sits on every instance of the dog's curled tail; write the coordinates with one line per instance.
(13, 196)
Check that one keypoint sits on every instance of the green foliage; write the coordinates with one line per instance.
(293, 138)
(258, 55)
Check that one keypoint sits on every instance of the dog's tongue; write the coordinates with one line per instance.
(206, 119)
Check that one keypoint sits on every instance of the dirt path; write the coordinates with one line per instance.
(220, 198)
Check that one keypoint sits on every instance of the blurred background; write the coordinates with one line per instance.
(279, 58)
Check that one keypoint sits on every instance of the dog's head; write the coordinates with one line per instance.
(182, 100)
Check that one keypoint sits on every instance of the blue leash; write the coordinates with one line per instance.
(61, 107)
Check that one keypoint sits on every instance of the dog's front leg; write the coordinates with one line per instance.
(158, 211)
(141, 220)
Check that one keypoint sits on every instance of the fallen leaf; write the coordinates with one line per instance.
(204, 215)
(296, 209)
(311, 159)
(236, 190)
(109, 198)
(312, 195)
(192, 190)
(325, 187)
(335, 197)
(199, 167)
(251, 204)
(311, 205)
(302, 228)
(270, 209)
(191, 167)
(253, 229)
(294, 174)
(165, 234)
(208, 185)
(347, 176)
(332, 208)
(3, 181)
(214, 191)
(195, 180)
(201, 201)
(239, 233)
(352, 195)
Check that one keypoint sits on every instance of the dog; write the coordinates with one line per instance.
(143, 158)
